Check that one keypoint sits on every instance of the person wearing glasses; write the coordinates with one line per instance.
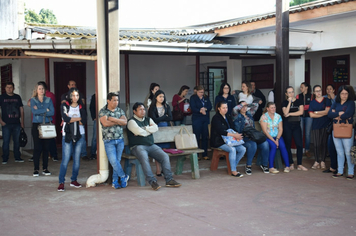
(318, 111)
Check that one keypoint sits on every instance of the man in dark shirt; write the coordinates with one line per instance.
(12, 120)
(257, 93)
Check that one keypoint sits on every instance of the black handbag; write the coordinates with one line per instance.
(254, 135)
(177, 113)
(23, 138)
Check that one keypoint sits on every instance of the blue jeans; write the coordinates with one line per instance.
(93, 140)
(252, 146)
(200, 129)
(343, 147)
(114, 149)
(66, 153)
(273, 149)
(143, 151)
(83, 152)
(235, 154)
(7, 131)
(307, 122)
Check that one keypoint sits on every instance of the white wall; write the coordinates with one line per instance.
(337, 33)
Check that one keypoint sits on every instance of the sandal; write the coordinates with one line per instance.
(291, 167)
(300, 167)
(316, 166)
(322, 164)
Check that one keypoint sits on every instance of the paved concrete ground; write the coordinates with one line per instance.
(296, 203)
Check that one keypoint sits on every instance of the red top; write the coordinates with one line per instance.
(175, 100)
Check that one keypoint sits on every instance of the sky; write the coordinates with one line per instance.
(154, 13)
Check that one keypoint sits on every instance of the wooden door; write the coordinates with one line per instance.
(63, 73)
(336, 71)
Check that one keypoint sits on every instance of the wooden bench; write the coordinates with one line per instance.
(163, 135)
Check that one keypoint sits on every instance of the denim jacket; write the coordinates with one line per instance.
(42, 109)
(239, 122)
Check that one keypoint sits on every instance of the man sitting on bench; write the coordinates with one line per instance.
(141, 143)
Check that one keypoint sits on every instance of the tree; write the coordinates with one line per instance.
(48, 17)
(45, 16)
(298, 2)
(32, 17)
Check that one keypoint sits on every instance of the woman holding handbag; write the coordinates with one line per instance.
(42, 109)
(220, 124)
(178, 106)
(292, 110)
(243, 117)
(225, 96)
(342, 111)
(272, 127)
(74, 116)
(318, 111)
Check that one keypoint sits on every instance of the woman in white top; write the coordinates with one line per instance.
(74, 116)
(245, 94)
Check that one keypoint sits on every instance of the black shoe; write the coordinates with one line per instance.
(264, 169)
(239, 175)
(36, 174)
(155, 186)
(46, 172)
(19, 160)
(159, 175)
(30, 160)
(327, 171)
(337, 175)
(93, 157)
(248, 170)
(173, 183)
(55, 158)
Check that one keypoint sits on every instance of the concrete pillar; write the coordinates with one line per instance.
(296, 72)
(113, 47)
(234, 73)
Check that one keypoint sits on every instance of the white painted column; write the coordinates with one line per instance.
(296, 72)
(234, 73)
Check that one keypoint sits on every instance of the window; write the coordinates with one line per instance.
(263, 75)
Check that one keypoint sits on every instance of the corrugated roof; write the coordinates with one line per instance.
(244, 20)
(174, 35)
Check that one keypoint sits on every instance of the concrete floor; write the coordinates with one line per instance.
(296, 203)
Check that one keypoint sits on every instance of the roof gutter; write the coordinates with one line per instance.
(60, 55)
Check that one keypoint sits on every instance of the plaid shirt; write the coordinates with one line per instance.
(112, 132)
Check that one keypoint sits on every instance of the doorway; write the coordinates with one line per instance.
(336, 71)
(63, 73)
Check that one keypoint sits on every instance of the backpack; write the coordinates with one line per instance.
(23, 138)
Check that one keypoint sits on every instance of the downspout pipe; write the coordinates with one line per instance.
(101, 91)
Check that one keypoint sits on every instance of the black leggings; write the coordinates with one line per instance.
(41, 146)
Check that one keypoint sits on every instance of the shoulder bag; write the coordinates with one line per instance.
(254, 135)
(342, 130)
(46, 131)
(177, 113)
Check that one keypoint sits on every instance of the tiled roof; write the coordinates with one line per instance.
(260, 17)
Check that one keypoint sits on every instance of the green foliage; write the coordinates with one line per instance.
(45, 16)
(48, 17)
(298, 2)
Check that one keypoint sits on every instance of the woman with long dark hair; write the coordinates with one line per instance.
(161, 114)
(306, 121)
(343, 110)
(292, 110)
(224, 95)
(42, 108)
(318, 111)
(220, 124)
(178, 103)
(153, 88)
(74, 116)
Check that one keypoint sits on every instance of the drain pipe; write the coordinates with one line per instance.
(101, 92)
